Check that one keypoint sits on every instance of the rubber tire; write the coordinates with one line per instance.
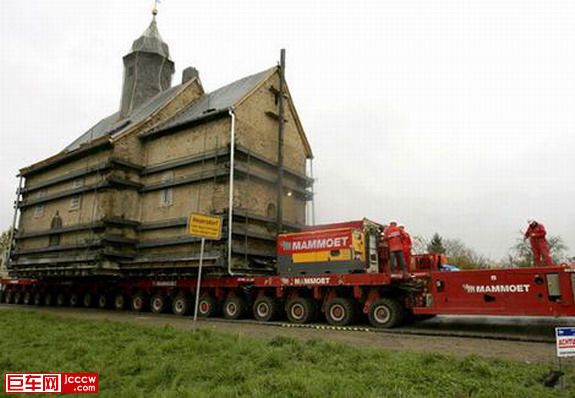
(103, 301)
(394, 313)
(158, 303)
(234, 307)
(347, 308)
(8, 297)
(308, 307)
(88, 300)
(139, 302)
(74, 300)
(271, 307)
(211, 307)
(119, 302)
(28, 298)
(18, 297)
(181, 305)
(38, 299)
(61, 300)
(48, 299)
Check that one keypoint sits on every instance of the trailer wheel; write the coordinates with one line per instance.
(48, 299)
(119, 302)
(38, 299)
(61, 300)
(18, 297)
(234, 307)
(181, 305)
(8, 296)
(27, 298)
(103, 301)
(207, 306)
(139, 302)
(340, 311)
(301, 310)
(88, 300)
(74, 300)
(385, 313)
(266, 309)
(158, 303)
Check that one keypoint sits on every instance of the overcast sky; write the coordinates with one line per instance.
(451, 116)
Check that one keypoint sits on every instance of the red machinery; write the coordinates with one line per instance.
(349, 286)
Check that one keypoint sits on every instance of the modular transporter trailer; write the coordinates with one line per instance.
(386, 299)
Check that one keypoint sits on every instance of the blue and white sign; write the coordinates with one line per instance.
(565, 340)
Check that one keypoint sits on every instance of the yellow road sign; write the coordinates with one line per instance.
(208, 227)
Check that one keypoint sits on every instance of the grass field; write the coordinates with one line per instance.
(136, 361)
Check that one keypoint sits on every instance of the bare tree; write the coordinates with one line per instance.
(463, 256)
(419, 244)
(520, 254)
(4, 243)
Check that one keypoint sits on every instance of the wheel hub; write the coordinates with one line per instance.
(297, 311)
(263, 310)
(337, 312)
(179, 305)
(381, 314)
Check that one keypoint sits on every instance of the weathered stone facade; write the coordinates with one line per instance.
(117, 199)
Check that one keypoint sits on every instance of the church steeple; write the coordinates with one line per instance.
(148, 69)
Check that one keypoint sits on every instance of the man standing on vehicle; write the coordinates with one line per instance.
(536, 234)
(407, 244)
(393, 237)
(383, 250)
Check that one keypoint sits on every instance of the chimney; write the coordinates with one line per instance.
(189, 73)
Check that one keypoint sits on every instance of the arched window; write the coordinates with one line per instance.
(271, 213)
(55, 225)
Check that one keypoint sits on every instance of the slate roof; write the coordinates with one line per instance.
(113, 125)
(151, 42)
(210, 103)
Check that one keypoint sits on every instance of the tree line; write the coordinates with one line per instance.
(459, 254)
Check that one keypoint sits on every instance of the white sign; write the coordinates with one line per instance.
(565, 339)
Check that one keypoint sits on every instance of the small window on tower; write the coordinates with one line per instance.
(75, 202)
(130, 71)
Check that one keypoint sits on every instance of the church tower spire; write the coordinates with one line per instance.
(148, 69)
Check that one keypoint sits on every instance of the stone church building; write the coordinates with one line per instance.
(116, 200)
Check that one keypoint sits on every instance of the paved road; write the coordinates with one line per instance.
(519, 351)
(542, 328)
